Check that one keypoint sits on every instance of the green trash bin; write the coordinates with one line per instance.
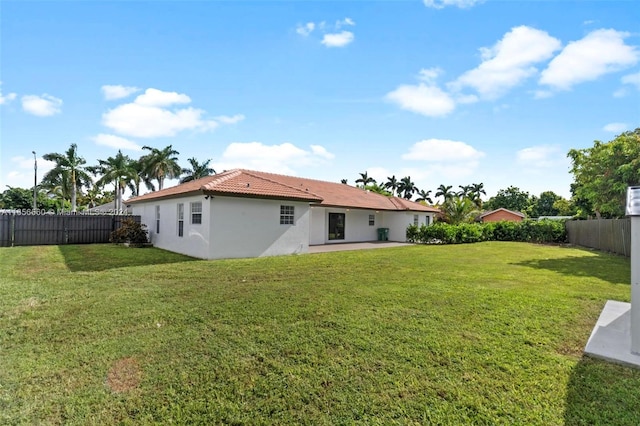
(383, 234)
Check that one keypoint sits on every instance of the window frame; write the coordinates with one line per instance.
(180, 216)
(372, 220)
(416, 220)
(195, 213)
(287, 214)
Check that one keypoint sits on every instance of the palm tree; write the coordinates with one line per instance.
(406, 187)
(424, 196)
(459, 209)
(161, 164)
(365, 179)
(445, 192)
(465, 191)
(343, 181)
(392, 184)
(118, 170)
(477, 189)
(69, 166)
(197, 170)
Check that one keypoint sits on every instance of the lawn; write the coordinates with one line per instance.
(488, 333)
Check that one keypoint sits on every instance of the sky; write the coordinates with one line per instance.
(447, 92)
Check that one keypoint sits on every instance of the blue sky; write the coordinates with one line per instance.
(447, 91)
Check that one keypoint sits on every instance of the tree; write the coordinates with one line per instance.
(343, 181)
(603, 172)
(197, 170)
(161, 164)
(140, 177)
(22, 199)
(379, 189)
(544, 205)
(406, 188)
(511, 198)
(392, 184)
(365, 179)
(119, 171)
(459, 209)
(68, 171)
(445, 192)
(424, 196)
(476, 190)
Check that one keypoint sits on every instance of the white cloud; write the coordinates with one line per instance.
(158, 98)
(462, 4)
(509, 62)
(541, 156)
(429, 75)
(306, 29)
(117, 91)
(284, 158)
(428, 100)
(599, 52)
(321, 151)
(615, 127)
(442, 150)
(542, 94)
(345, 22)
(150, 115)
(42, 106)
(633, 79)
(7, 98)
(225, 119)
(22, 174)
(340, 39)
(116, 142)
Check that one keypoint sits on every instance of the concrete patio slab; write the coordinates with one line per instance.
(611, 337)
(355, 246)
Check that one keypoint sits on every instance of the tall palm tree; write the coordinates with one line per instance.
(161, 164)
(197, 170)
(119, 171)
(392, 184)
(476, 190)
(445, 192)
(465, 191)
(140, 177)
(406, 187)
(424, 196)
(365, 179)
(69, 166)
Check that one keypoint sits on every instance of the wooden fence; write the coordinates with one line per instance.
(32, 230)
(612, 235)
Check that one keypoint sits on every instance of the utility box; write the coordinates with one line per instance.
(383, 234)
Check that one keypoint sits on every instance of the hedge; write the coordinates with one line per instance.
(542, 231)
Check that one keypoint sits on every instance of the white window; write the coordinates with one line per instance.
(416, 220)
(196, 213)
(157, 219)
(180, 220)
(287, 215)
(372, 220)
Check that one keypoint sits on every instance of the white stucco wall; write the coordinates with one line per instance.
(397, 222)
(245, 227)
(357, 228)
(195, 240)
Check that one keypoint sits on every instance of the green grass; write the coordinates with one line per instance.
(488, 333)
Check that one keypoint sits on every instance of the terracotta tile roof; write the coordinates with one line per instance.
(249, 183)
(502, 209)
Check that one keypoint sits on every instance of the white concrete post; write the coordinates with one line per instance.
(633, 210)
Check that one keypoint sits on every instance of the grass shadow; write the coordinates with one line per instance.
(101, 257)
(607, 267)
(602, 393)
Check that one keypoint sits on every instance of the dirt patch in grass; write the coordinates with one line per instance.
(124, 375)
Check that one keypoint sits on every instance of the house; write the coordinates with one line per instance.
(500, 214)
(244, 213)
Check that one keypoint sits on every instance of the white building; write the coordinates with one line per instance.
(244, 213)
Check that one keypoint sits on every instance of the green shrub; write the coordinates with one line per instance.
(544, 231)
(130, 232)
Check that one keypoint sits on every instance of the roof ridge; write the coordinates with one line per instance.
(256, 175)
(221, 177)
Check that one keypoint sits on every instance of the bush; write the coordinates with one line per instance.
(130, 232)
(544, 231)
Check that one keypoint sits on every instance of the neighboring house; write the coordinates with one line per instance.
(244, 213)
(501, 214)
